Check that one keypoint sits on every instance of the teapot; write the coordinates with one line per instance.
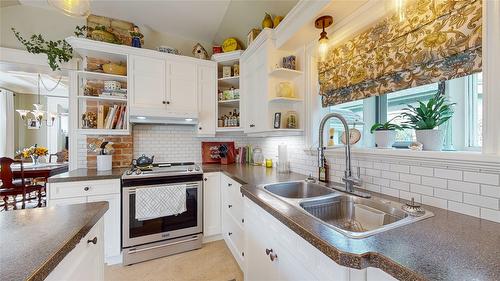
(143, 161)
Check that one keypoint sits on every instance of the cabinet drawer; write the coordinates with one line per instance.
(234, 235)
(83, 188)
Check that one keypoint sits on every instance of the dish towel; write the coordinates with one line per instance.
(159, 201)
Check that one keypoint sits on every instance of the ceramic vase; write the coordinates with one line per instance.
(385, 138)
(431, 139)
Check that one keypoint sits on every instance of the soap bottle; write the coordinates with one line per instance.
(324, 171)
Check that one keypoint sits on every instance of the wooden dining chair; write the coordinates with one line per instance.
(14, 187)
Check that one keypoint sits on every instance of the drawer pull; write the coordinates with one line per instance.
(229, 184)
(268, 251)
(93, 241)
(229, 233)
(273, 256)
(87, 188)
(229, 206)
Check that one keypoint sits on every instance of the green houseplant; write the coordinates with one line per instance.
(385, 133)
(426, 118)
(57, 51)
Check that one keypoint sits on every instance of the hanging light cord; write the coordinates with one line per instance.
(45, 86)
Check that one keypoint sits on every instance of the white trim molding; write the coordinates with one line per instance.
(491, 71)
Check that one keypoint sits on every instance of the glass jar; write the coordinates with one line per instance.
(258, 157)
(291, 120)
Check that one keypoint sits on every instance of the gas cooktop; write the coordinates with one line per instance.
(163, 170)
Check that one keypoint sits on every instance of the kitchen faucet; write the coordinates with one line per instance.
(349, 180)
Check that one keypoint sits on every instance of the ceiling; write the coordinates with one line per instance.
(203, 20)
(20, 79)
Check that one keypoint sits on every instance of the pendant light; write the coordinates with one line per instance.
(33, 118)
(322, 23)
(73, 8)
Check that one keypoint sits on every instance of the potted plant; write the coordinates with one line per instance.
(385, 133)
(426, 118)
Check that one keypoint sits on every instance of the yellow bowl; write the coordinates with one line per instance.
(113, 68)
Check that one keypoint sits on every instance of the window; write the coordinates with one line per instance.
(474, 104)
(462, 132)
(353, 112)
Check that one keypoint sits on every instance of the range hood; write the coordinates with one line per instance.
(153, 117)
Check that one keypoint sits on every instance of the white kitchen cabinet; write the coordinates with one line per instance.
(254, 90)
(296, 258)
(375, 274)
(181, 95)
(212, 219)
(148, 85)
(112, 234)
(67, 193)
(233, 218)
(86, 261)
(207, 93)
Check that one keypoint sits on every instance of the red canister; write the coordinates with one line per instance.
(217, 49)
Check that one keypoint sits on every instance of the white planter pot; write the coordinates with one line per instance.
(385, 139)
(104, 162)
(431, 139)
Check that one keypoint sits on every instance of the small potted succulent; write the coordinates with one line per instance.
(385, 133)
(426, 118)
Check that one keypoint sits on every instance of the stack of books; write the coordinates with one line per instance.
(111, 117)
(115, 93)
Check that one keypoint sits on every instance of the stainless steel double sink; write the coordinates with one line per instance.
(353, 216)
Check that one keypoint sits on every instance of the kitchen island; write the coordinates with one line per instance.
(35, 241)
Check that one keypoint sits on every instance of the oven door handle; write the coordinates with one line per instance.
(132, 251)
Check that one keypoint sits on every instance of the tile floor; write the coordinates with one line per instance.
(212, 262)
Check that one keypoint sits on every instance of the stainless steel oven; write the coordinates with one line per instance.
(153, 238)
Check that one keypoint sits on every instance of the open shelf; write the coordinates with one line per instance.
(279, 99)
(233, 81)
(229, 102)
(101, 76)
(285, 73)
(229, 129)
(116, 99)
(103, 131)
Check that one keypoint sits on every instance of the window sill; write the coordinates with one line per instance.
(451, 157)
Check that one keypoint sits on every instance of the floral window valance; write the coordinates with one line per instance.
(437, 41)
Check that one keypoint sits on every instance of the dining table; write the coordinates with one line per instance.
(41, 170)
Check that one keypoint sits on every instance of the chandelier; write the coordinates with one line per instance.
(34, 118)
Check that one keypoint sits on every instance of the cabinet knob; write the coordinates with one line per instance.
(205, 179)
(200, 128)
(268, 251)
(229, 206)
(229, 233)
(252, 125)
(168, 102)
(87, 188)
(229, 184)
(164, 102)
(93, 241)
(273, 256)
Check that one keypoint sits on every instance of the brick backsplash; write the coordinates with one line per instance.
(460, 189)
(122, 156)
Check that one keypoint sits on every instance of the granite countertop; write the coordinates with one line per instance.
(87, 174)
(448, 246)
(34, 241)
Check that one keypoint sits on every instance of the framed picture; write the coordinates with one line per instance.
(277, 120)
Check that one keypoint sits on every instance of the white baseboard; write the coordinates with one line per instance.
(212, 238)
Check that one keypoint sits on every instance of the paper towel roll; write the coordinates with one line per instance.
(282, 153)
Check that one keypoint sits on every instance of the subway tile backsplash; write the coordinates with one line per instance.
(463, 189)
